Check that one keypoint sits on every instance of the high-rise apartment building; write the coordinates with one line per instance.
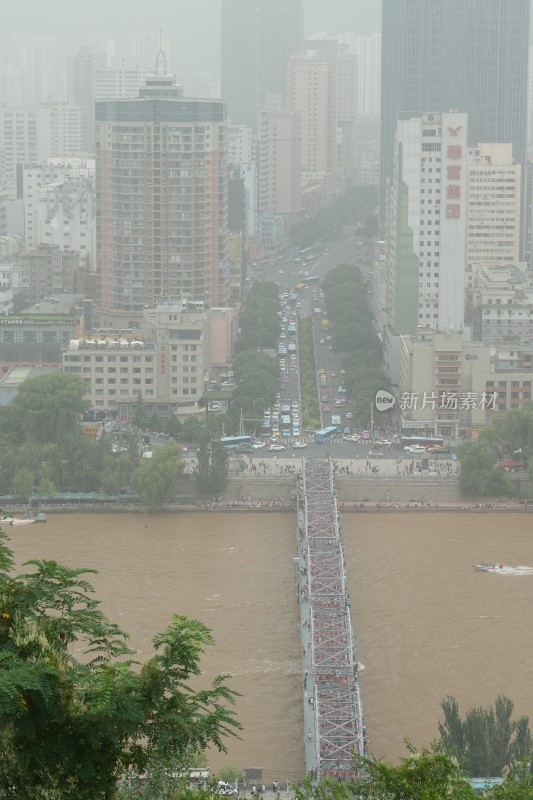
(24, 136)
(161, 199)
(309, 94)
(466, 55)
(494, 182)
(279, 162)
(258, 36)
(426, 226)
(122, 81)
(80, 77)
(59, 206)
(65, 128)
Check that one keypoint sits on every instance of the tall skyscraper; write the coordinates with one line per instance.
(279, 159)
(161, 181)
(258, 36)
(80, 74)
(494, 182)
(368, 52)
(468, 55)
(426, 227)
(312, 92)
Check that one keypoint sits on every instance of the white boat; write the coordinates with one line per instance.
(17, 521)
(489, 567)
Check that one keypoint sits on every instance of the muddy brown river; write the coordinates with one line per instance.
(427, 624)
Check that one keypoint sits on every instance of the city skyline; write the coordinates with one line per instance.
(195, 30)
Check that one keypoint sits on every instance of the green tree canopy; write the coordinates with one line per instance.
(71, 728)
(480, 475)
(49, 407)
(487, 740)
(212, 466)
(155, 478)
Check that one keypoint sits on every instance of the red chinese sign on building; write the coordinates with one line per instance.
(454, 152)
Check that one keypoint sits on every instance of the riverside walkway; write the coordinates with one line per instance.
(333, 711)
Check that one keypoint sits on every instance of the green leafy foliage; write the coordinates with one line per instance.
(69, 728)
(155, 478)
(355, 206)
(355, 338)
(488, 739)
(511, 435)
(480, 475)
(49, 407)
(212, 466)
(259, 320)
(256, 384)
(308, 381)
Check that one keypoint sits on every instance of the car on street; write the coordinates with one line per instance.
(299, 445)
(351, 438)
(258, 445)
(322, 341)
(349, 415)
(415, 449)
(276, 447)
(376, 454)
(324, 398)
(438, 448)
(333, 374)
(328, 338)
(383, 443)
(327, 407)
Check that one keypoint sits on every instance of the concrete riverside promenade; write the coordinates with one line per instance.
(333, 711)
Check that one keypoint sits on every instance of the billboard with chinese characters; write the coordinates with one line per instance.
(453, 220)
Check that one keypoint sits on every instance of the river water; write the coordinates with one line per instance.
(428, 625)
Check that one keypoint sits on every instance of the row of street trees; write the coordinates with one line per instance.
(354, 337)
(356, 206)
(308, 383)
(256, 373)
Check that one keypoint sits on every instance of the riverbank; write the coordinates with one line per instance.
(260, 508)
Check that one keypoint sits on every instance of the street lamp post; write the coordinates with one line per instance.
(255, 401)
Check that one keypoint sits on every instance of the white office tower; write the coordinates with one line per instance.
(145, 46)
(24, 136)
(279, 162)
(118, 82)
(427, 223)
(494, 198)
(59, 206)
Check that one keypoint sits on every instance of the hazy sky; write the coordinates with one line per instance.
(194, 24)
